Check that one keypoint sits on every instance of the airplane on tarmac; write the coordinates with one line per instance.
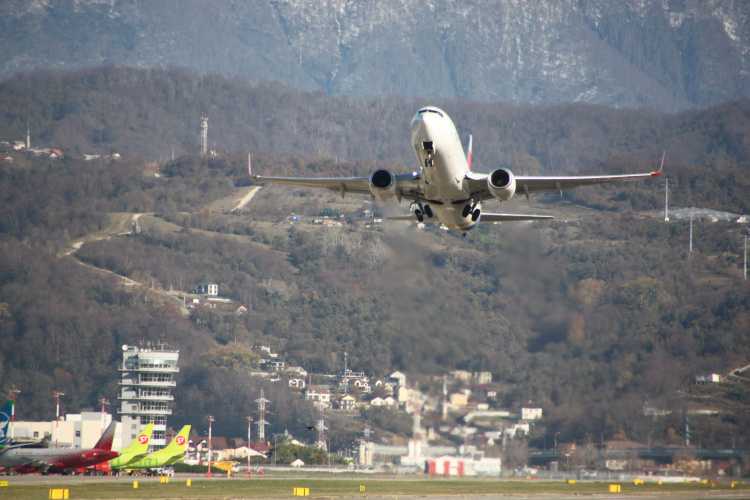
(136, 451)
(5, 414)
(445, 189)
(27, 460)
(174, 452)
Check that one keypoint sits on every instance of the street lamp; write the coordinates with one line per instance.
(57, 415)
(13, 393)
(556, 433)
(249, 442)
(211, 420)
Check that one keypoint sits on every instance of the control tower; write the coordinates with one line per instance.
(148, 377)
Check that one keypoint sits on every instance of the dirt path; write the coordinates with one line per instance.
(246, 199)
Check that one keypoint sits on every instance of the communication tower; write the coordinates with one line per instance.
(204, 135)
(148, 377)
(261, 423)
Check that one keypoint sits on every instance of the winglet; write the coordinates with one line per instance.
(661, 167)
(468, 154)
(250, 166)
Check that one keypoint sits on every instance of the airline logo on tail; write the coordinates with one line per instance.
(5, 414)
(174, 452)
(137, 450)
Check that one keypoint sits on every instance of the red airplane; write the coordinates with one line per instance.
(54, 460)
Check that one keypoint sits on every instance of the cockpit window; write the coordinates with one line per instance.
(428, 110)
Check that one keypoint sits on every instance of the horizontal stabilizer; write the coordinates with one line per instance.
(413, 218)
(511, 217)
(485, 218)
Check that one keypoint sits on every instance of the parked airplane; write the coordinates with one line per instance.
(26, 460)
(174, 452)
(137, 450)
(5, 414)
(445, 189)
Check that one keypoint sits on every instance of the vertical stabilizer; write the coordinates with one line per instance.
(468, 152)
(5, 413)
(105, 442)
(137, 450)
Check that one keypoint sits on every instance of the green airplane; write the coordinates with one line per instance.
(174, 452)
(137, 450)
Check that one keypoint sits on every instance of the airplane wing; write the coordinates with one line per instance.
(405, 183)
(530, 185)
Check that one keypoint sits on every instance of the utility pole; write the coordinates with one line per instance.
(13, 392)
(666, 200)
(691, 233)
(211, 420)
(249, 442)
(346, 374)
(744, 268)
(57, 415)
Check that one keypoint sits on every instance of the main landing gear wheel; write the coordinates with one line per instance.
(475, 215)
(428, 211)
(466, 211)
(418, 214)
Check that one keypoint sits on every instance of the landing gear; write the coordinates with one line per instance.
(472, 210)
(421, 210)
(429, 151)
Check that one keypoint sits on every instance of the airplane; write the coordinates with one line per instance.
(27, 460)
(5, 415)
(445, 189)
(136, 451)
(174, 452)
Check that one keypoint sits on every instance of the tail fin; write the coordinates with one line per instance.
(468, 153)
(179, 444)
(139, 446)
(105, 442)
(5, 414)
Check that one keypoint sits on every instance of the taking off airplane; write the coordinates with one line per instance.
(445, 189)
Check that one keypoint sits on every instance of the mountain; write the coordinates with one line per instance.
(666, 55)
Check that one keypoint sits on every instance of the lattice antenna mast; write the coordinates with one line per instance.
(261, 423)
(320, 426)
(204, 135)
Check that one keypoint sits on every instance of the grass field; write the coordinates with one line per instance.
(342, 488)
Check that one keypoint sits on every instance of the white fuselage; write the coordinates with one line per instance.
(443, 176)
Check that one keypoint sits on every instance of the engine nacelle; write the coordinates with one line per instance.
(383, 184)
(502, 184)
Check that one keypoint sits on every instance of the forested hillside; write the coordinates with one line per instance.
(591, 315)
(152, 114)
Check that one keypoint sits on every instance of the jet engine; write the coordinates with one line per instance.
(502, 184)
(383, 184)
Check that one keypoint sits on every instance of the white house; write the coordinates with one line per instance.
(707, 378)
(210, 289)
(318, 395)
(297, 383)
(530, 413)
